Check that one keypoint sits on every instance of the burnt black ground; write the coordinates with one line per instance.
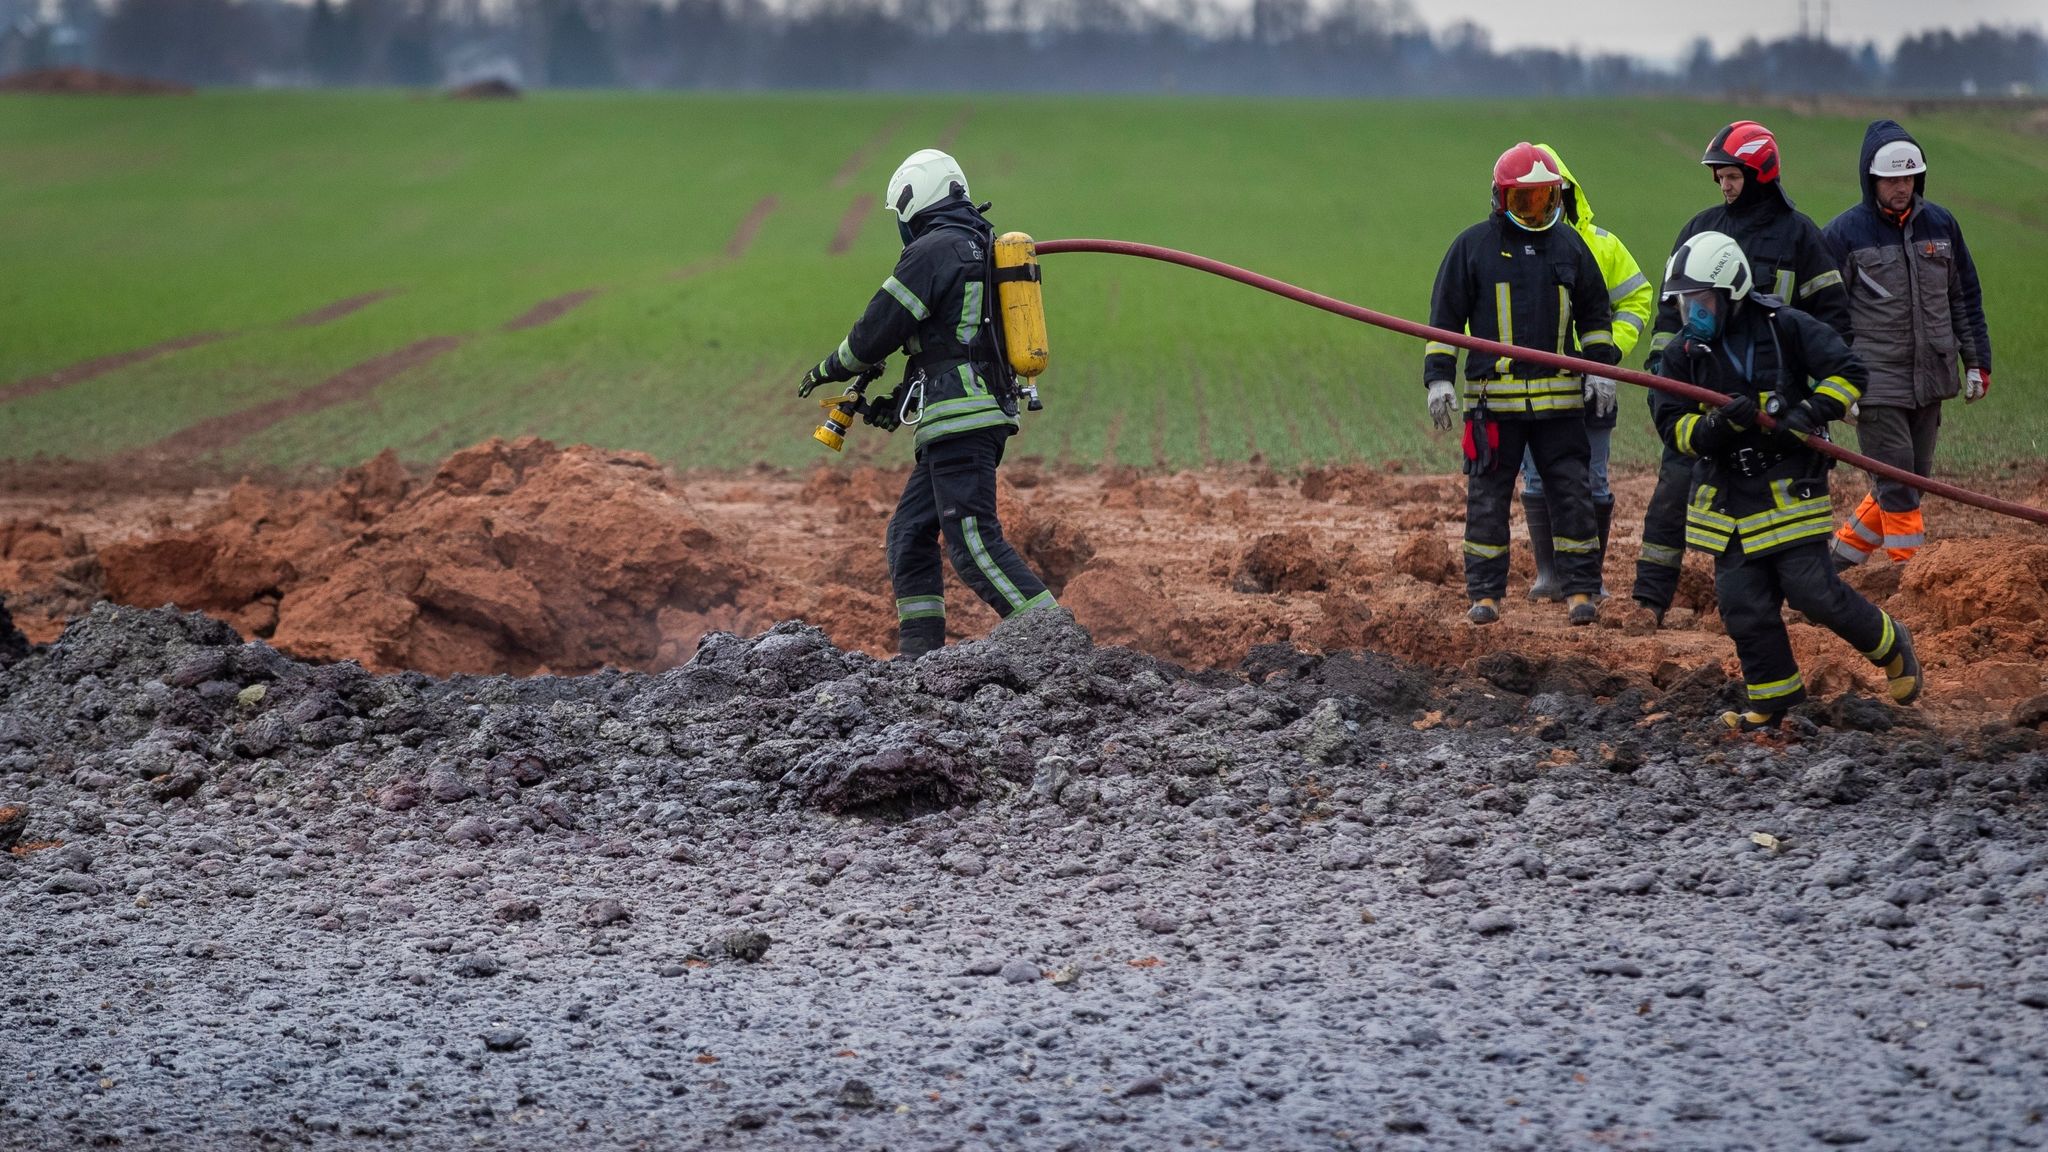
(1026, 893)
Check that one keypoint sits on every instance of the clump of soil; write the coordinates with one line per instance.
(513, 556)
(89, 82)
(492, 89)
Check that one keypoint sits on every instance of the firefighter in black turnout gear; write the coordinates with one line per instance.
(957, 391)
(1760, 498)
(1519, 279)
(1790, 260)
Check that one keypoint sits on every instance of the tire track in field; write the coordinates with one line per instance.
(860, 208)
(550, 310)
(228, 429)
(866, 152)
(346, 306)
(85, 370)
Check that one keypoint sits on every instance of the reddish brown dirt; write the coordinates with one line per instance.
(550, 310)
(743, 236)
(520, 556)
(210, 436)
(89, 82)
(86, 370)
(866, 152)
(951, 132)
(329, 313)
(850, 223)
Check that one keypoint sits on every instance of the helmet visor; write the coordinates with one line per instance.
(1534, 206)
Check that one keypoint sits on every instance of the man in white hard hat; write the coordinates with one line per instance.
(938, 307)
(1916, 312)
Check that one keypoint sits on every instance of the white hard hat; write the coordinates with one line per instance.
(1705, 261)
(927, 177)
(1898, 158)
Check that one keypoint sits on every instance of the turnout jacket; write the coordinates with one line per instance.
(1788, 258)
(1769, 490)
(1628, 290)
(936, 308)
(1540, 290)
(1914, 300)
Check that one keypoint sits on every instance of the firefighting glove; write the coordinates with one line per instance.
(1443, 404)
(1805, 419)
(1741, 412)
(1976, 384)
(1600, 393)
(1714, 434)
(812, 379)
(884, 412)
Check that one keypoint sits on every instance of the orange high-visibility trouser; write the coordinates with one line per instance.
(1889, 517)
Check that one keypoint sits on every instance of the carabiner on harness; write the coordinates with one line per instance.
(913, 391)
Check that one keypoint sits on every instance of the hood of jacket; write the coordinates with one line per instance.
(1879, 134)
(957, 212)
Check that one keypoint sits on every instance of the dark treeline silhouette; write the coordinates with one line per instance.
(1277, 47)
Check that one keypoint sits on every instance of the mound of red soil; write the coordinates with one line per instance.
(89, 82)
(513, 556)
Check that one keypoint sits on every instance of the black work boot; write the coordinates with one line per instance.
(914, 638)
(1604, 515)
(1536, 510)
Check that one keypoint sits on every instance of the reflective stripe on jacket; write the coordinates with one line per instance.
(1539, 290)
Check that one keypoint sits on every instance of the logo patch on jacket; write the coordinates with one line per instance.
(1935, 248)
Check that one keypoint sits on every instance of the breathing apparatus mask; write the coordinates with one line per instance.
(1699, 315)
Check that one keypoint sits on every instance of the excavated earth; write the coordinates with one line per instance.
(1234, 885)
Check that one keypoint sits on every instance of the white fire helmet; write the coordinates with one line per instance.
(1707, 261)
(926, 178)
(1898, 158)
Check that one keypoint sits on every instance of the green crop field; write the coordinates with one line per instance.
(131, 223)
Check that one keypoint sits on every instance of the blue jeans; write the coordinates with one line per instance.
(1532, 484)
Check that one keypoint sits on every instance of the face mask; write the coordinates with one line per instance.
(903, 230)
(1700, 321)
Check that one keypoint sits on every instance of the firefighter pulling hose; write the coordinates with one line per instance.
(1494, 348)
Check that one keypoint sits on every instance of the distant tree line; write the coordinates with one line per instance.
(1279, 47)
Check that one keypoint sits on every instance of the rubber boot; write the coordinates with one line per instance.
(1902, 671)
(1536, 510)
(1751, 721)
(1484, 611)
(1604, 515)
(914, 638)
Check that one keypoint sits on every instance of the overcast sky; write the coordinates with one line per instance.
(1663, 31)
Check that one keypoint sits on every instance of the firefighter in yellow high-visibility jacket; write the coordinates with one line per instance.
(1634, 304)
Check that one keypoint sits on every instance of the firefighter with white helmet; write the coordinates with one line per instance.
(1518, 278)
(1760, 497)
(1789, 259)
(958, 391)
(1916, 313)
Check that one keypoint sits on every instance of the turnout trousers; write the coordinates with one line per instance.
(1561, 452)
(951, 495)
(1889, 516)
(1663, 549)
(1753, 591)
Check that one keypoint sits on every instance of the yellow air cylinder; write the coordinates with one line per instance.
(1023, 304)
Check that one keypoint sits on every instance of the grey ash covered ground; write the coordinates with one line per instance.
(1027, 893)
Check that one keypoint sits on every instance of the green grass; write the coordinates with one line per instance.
(129, 222)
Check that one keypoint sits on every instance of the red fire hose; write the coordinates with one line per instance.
(1492, 348)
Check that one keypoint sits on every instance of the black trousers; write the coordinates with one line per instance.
(1753, 591)
(951, 495)
(1663, 548)
(1562, 454)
